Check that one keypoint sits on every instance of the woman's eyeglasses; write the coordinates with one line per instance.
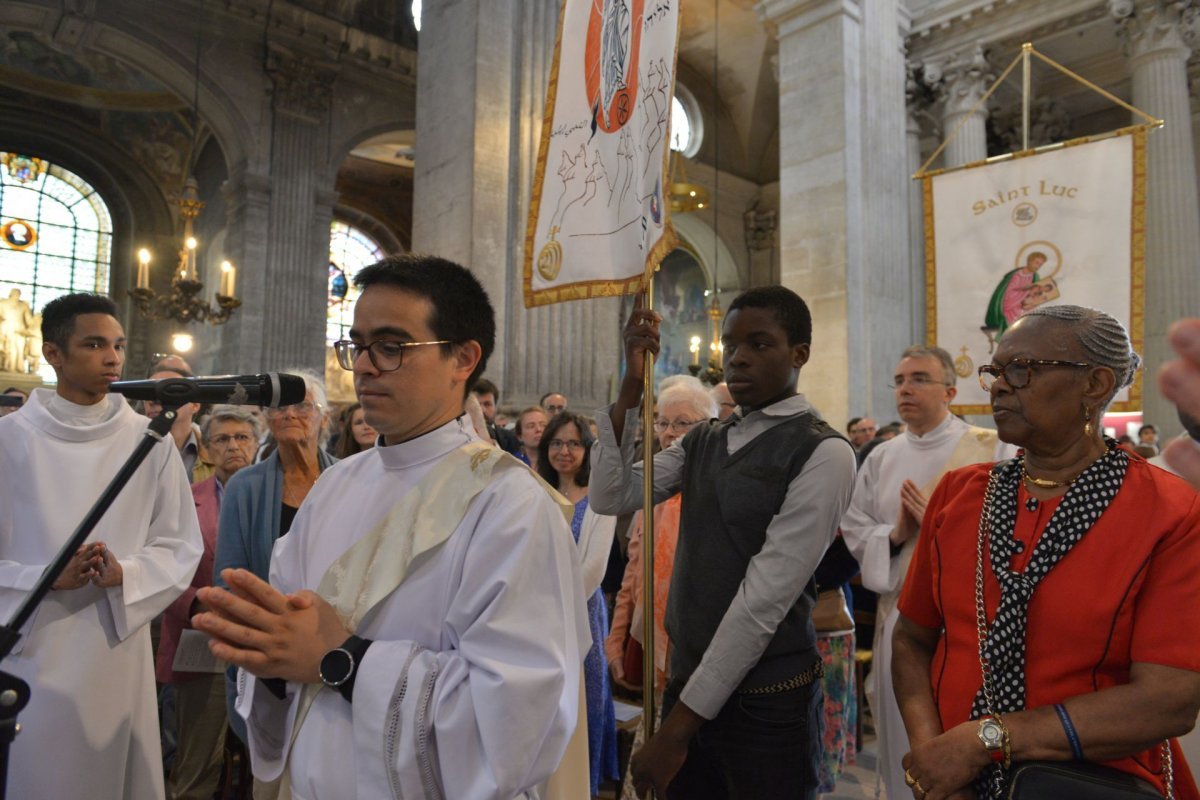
(677, 426)
(305, 409)
(226, 439)
(1019, 372)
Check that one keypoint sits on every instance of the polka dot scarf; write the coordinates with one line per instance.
(1004, 647)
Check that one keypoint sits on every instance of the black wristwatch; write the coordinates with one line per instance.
(339, 667)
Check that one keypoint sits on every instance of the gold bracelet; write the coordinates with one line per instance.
(1007, 741)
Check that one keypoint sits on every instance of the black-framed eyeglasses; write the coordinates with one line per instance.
(1018, 372)
(385, 355)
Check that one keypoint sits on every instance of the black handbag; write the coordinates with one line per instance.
(1075, 780)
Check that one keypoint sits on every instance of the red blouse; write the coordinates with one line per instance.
(1128, 591)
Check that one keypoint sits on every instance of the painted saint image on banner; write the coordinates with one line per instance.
(1030, 284)
(611, 62)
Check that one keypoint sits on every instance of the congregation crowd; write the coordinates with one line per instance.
(397, 611)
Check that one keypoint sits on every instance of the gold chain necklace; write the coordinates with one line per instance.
(1042, 483)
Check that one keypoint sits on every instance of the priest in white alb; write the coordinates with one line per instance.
(884, 518)
(91, 726)
(424, 629)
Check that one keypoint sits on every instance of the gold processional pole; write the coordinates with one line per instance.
(1026, 81)
(648, 676)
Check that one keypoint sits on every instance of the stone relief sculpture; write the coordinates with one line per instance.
(20, 335)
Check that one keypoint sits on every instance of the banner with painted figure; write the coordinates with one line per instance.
(598, 221)
(1065, 225)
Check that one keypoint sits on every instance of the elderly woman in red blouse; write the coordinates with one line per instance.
(1072, 572)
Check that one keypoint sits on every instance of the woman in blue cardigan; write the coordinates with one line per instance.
(261, 501)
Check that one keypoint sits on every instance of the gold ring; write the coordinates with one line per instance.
(917, 785)
(909, 779)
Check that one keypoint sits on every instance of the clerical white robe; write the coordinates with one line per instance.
(91, 727)
(874, 508)
(471, 688)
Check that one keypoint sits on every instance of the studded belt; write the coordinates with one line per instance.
(809, 675)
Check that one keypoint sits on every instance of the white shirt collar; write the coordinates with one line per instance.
(950, 425)
(428, 446)
(787, 407)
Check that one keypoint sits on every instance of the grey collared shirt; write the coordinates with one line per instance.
(796, 537)
(190, 453)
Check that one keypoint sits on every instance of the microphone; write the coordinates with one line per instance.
(271, 389)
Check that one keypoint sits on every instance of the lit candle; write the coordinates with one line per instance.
(228, 273)
(189, 270)
(143, 272)
(695, 348)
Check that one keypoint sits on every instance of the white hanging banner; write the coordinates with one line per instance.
(1065, 225)
(598, 221)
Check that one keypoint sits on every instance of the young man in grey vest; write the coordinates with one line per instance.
(763, 493)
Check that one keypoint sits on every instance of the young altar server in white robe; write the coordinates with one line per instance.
(881, 525)
(91, 727)
(450, 563)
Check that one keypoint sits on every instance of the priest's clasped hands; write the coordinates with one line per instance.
(92, 563)
(272, 635)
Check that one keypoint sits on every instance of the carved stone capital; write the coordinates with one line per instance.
(1147, 27)
(1193, 73)
(919, 94)
(760, 229)
(1048, 123)
(959, 82)
(303, 87)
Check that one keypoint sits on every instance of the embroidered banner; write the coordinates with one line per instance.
(598, 222)
(1064, 225)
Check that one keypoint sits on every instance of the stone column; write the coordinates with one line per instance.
(478, 128)
(247, 208)
(961, 81)
(297, 232)
(855, 281)
(884, 279)
(916, 206)
(1157, 36)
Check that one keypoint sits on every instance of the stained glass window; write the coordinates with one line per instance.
(681, 127)
(349, 251)
(55, 233)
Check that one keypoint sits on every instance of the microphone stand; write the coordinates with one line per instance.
(14, 692)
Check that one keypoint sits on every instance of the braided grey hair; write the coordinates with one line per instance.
(1104, 340)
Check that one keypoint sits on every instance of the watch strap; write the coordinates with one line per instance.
(357, 648)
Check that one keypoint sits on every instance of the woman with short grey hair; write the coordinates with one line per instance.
(261, 501)
(230, 414)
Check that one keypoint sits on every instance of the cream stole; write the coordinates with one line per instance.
(420, 522)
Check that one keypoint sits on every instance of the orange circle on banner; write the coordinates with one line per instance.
(610, 117)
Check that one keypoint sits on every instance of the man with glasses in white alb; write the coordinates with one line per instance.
(881, 526)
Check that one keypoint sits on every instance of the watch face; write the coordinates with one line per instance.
(991, 734)
(336, 667)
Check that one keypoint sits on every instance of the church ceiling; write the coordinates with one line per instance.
(30, 62)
